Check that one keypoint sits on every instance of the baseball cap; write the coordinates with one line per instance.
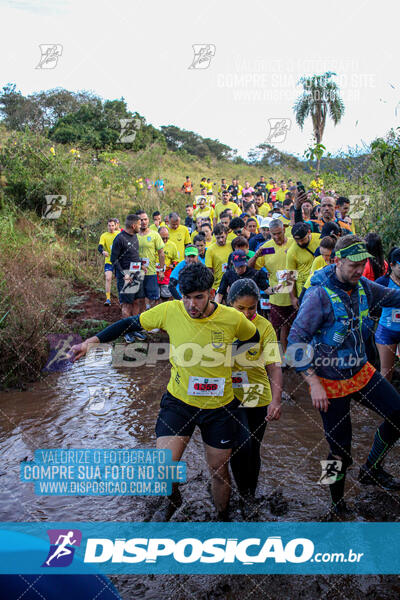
(356, 252)
(191, 251)
(300, 230)
(239, 258)
(265, 222)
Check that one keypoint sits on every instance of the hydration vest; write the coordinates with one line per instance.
(335, 335)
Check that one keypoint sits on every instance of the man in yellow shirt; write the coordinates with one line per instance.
(171, 259)
(203, 210)
(272, 256)
(200, 389)
(223, 205)
(151, 252)
(217, 254)
(301, 255)
(263, 208)
(281, 194)
(179, 234)
(104, 247)
(157, 221)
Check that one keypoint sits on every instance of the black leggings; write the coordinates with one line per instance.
(245, 460)
(378, 395)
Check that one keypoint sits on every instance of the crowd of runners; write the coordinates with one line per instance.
(254, 279)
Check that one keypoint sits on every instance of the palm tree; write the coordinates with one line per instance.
(320, 96)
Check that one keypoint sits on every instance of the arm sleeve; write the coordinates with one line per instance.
(112, 332)
(223, 286)
(172, 288)
(261, 280)
(298, 215)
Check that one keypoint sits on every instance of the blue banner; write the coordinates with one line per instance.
(200, 548)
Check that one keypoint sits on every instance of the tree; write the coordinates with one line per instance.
(320, 97)
(193, 143)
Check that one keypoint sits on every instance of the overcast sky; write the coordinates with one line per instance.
(142, 50)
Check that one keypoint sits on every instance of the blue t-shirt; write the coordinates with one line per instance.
(390, 317)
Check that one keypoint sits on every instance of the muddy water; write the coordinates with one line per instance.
(55, 414)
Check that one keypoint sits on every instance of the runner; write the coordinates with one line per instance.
(104, 247)
(224, 204)
(151, 250)
(262, 237)
(200, 243)
(281, 193)
(189, 221)
(261, 186)
(257, 383)
(159, 185)
(171, 260)
(342, 210)
(125, 259)
(333, 322)
(203, 210)
(179, 234)
(206, 229)
(387, 336)
(327, 207)
(300, 256)
(191, 257)
(218, 254)
(187, 187)
(247, 189)
(240, 270)
(263, 207)
(188, 402)
(157, 221)
(272, 256)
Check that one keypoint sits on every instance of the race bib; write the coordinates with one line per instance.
(134, 267)
(396, 315)
(265, 304)
(239, 378)
(145, 262)
(224, 267)
(206, 386)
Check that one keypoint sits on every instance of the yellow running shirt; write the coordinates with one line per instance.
(217, 259)
(318, 263)
(264, 209)
(171, 253)
(180, 236)
(199, 350)
(106, 240)
(220, 207)
(149, 244)
(300, 260)
(273, 263)
(207, 211)
(249, 368)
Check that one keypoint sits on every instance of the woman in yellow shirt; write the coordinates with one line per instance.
(257, 384)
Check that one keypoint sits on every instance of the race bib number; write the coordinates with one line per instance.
(265, 304)
(224, 267)
(239, 378)
(206, 386)
(396, 315)
(145, 262)
(134, 267)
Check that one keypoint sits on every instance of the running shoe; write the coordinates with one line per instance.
(379, 477)
(129, 338)
(139, 336)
